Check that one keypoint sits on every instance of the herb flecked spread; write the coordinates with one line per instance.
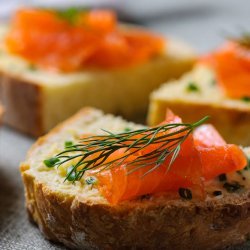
(231, 63)
(172, 157)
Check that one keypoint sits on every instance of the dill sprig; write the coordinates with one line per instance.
(243, 39)
(93, 152)
(71, 14)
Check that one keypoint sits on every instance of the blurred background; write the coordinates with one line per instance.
(203, 23)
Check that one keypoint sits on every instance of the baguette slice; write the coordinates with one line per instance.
(36, 100)
(79, 217)
(230, 116)
(1, 113)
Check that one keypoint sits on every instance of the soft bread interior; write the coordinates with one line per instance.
(121, 91)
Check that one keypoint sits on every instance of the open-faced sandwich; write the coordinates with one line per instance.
(1, 113)
(99, 182)
(219, 85)
(54, 62)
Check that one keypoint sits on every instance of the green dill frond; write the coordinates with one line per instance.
(93, 152)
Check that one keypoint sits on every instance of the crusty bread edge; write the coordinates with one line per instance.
(144, 224)
(23, 104)
(23, 98)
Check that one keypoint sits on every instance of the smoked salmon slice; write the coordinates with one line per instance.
(217, 156)
(232, 67)
(202, 156)
(89, 39)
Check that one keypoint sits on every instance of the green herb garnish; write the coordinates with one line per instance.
(70, 15)
(127, 129)
(245, 98)
(192, 87)
(92, 152)
(185, 193)
(68, 144)
(50, 163)
(71, 173)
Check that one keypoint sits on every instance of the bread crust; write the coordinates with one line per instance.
(23, 104)
(232, 123)
(33, 108)
(160, 223)
(1, 113)
(165, 225)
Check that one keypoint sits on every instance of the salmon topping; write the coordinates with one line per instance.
(203, 156)
(169, 158)
(232, 67)
(76, 40)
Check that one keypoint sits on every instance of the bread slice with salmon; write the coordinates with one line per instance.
(196, 198)
(219, 86)
(61, 61)
(1, 113)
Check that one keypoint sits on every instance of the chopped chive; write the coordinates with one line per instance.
(245, 98)
(222, 177)
(217, 193)
(185, 193)
(71, 173)
(70, 15)
(192, 87)
(232, 187)
(50, 163)
(90, 180)
(68, 144)
(127, 129)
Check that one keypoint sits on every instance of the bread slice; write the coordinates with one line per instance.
(230, 116)
(1, 113)
(36, 100)
(79, 217)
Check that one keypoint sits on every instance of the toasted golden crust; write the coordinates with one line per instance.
(145, 225)
(149, 223)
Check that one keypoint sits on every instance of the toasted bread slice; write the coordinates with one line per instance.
(36, 100)
(196, 95)
(79, 217)
(1, 113)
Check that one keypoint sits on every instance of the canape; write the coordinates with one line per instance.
(99, 182)
(52, 63)
(219, 86)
